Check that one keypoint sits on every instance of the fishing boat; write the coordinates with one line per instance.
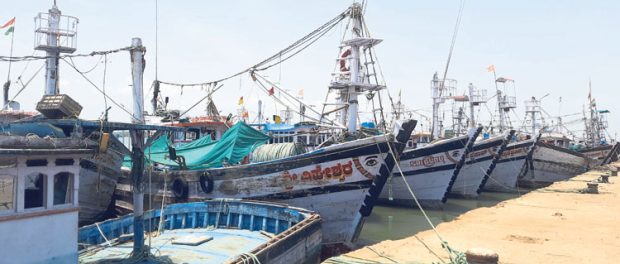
(509, 166)
(551, 163)
(39, 185)
(597, 147)
(332, 181)
(341, 181)
(213, 231)
(552, 159)
(479, 163)
(98, 172)
(429, 171)
(56, 34)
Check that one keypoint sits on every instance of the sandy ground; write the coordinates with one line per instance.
(557, 224)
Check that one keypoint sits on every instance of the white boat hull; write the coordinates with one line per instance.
(480, 163)
(429, 188)
(504, 177)
(429, 171)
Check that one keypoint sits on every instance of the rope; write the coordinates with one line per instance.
(93, 53)
(102, 234)
(455, 256)
(249, 258)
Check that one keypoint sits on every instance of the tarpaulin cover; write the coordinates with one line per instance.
(232, 148)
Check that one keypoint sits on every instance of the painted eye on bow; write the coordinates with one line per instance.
(455, 153)
(371, 162)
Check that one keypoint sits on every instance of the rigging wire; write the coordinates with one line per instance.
(452, 44)
(105, 99)
(24, 85)
(98, 89)
(94, 66)
(294, 49)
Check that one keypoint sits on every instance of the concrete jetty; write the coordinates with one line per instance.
(562, 223)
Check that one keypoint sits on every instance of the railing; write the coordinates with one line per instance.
(508, 102)
(65, 34)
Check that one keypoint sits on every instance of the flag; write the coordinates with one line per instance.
(491, 68)
(10, 25)
(241, 100)
(272, 91)
(301, 93)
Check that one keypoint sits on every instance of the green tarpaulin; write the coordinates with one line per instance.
(232, 148)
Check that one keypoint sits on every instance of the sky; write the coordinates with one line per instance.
(547, 47)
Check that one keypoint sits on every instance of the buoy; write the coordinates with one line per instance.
(481, 256)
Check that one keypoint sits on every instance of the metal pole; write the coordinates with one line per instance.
(499, 103)
(472, 117)
(137, 170)
(51, 75)
(354, 70)
(7, 85)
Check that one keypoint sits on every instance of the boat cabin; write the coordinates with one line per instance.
(39, 205)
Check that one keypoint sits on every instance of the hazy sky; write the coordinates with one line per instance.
(545, 46)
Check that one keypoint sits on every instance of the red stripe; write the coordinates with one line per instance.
(8, 23)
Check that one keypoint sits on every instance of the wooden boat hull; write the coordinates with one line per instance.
(98, 177)
(341, 182)
(551, 163)
(272, 233)
(598, 154)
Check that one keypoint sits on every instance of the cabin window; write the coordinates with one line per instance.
(34, 190)
(36, 162)
(7, 190)
(63, 183)
(64, 162)
(191, 135)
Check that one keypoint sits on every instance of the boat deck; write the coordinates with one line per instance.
(225, 245)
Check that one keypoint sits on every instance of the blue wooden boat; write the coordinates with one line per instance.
(213, 231)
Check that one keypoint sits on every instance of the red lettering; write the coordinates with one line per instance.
(316, 173)
(337, 170)
(306, 176)
(328, 172)
(348, 168)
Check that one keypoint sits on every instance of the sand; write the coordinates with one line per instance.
(556, 224)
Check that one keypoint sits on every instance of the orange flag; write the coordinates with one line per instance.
(491, 68)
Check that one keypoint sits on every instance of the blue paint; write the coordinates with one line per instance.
(235, 226)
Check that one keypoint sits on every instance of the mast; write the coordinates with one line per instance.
(356, 30)
(54, 34)
(505, 102)
(351, 81)
(532, 108)
(440, 92)
(137, 169)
